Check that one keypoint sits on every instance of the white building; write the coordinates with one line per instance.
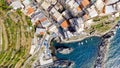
(55, 13)
(58, 7)
(53, 28)
(66, 14)
(92, 11)
(81, 25)
(26, 2)
(99, 4)
(47, 37)
(16, 5)
(70, 3)
(46, 23)
(109, 9)
(45, 5)
(40, 31)
(69, 34)
(52, 1)
(38, 16)
(118, 6)
(80, 21)
(111, 2)
(60, 19)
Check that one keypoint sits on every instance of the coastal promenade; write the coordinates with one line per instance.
(80, 37)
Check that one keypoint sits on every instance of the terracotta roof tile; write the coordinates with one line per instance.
(30, 10)
(41, 33)
(43, 19)
(85, 3)
(64, 24)
(86, 16)
(78, 8)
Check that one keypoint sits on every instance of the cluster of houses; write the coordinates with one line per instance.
(68, 16)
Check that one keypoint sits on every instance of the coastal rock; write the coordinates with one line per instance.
(65, 50)
(63, 64)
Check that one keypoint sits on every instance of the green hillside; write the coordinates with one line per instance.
(16, 37)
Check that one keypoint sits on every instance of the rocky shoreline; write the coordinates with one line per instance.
(61, 64)
(99, 63)
(64, 50)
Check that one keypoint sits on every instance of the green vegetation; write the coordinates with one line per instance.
(3, 42)
(19, 12)
(16, 39)
(96, 19)
(4, 6)
(101, 27)
(28, 21)
(102, 24)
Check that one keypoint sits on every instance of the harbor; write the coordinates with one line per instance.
(83, 51)
(102, 47)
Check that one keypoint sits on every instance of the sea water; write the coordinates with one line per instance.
(84, 52)
(113, 53)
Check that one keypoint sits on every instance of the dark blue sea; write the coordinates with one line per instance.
(84, 53)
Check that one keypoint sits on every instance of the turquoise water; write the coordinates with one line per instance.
(84, 53)
(113, 55)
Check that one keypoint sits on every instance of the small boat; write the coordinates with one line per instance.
(82, 43)
(86, 41)
(79, 43)
(114, 32)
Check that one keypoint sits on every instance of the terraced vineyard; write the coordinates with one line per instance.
(15, 37)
